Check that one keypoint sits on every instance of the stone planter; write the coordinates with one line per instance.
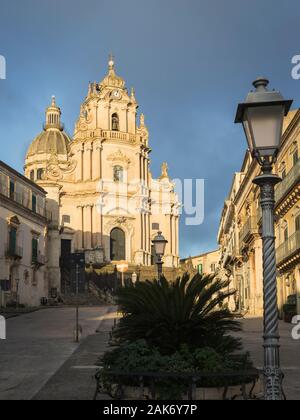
(213, 394)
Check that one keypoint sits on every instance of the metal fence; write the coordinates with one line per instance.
(244, 381)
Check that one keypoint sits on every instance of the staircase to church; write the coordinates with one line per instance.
(102, 283)
(93, 297)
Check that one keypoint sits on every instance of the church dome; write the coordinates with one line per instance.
(53, 140)
(50, 141)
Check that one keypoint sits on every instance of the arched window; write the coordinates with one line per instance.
(118, 174)
(117, 245)
(115, 122)
(40, 173)
(32, 175)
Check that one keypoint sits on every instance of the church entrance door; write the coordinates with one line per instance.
(117, 245)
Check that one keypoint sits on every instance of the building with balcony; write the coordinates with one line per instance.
(23, 233)
(288, 213)
(240, 227)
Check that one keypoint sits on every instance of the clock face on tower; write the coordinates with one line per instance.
(116, 94)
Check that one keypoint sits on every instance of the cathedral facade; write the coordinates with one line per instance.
(100, 191)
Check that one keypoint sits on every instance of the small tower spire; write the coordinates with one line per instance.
(53, 114)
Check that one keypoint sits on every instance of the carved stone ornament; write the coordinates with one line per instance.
(119, 156)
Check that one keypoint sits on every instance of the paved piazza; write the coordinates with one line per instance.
(290, 351)
(37, 345)
(39, 359)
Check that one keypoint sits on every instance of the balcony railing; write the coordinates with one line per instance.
(288, 248)
(119, 135)
(38, 260)
(291, 179)
(14, 251)
(249, 228)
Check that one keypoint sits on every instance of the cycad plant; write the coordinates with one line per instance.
(167, 315)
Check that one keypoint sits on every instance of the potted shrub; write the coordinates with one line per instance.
(180, 328)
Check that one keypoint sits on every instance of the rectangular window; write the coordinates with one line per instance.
(213, 268)
(34, 250)
(155, 226)
(66, 218)
(12, 189)
(3, 184)
(12, 240)
(33, 203)
(295, 157)
(297, 223)
(200, 268)
(286, 234)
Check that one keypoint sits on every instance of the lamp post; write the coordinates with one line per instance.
(159, 243)
(262, 117)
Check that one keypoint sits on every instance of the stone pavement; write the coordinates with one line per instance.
(75, 379)
(38, 344)
(290, 353)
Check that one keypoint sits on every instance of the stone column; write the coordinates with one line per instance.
(143, 168)
(92, 226)
(145, 232)
(87, 226)
(87, 162)
(140, 167)
(142, 229)
(80, 238)
(177, 235)
(98, 165)
(79, 155)
(146, 170)
(171, 234)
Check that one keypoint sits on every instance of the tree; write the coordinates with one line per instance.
(188, 312)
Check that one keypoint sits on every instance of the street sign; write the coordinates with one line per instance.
(77, 272)
(122, 266)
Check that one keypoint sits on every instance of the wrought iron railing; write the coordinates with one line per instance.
(292, 178)
(288, 248)
(249, 228)
(191, 381)
(14, 251)
(38, 259)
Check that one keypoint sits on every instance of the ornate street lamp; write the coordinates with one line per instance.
(159, 243)
(262, 117)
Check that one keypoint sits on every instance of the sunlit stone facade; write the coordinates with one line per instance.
(100, 190)
(23, 244)
(240, 227)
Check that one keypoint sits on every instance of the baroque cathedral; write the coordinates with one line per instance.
(101, 197)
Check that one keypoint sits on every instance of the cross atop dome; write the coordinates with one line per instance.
(112, 79)
(111, 62)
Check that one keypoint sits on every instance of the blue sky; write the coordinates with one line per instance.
(190, 61)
